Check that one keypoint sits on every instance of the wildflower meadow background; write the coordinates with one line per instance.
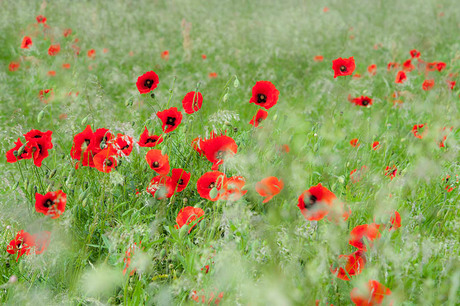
(229, 152)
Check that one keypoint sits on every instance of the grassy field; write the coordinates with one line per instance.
(241, 252)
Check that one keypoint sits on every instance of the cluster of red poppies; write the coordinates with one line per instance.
(25, 243)
(36, 147)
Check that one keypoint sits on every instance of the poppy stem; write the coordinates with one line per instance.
(38, 179)
(171, 91)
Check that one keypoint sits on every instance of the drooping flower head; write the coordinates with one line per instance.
(315, 203)
(192, 102)
(170, 118)
(147, 82)
(260, 116)
(189, 215)
(269, 187)
(51, 204)
(158, 162)
(264, 94)
(343, 66)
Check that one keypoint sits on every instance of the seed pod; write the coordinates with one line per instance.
(213, 193)
(21, 150)
(40, 116)
(52, 173)
(225, 98)
(236, 83)
(183, 231)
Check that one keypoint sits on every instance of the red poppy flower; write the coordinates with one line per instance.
(147, 82)
(395, 221)
(428, 84)
(343, 66)
(260, 116)
(51, 204)
(26, 42)
(105, 161)
(171, 118)
(197, 145)
(123, 145)
(233, 187)
(362, 101)
(431, 66)
(407, 66)
(54, 49)
(101, 139)
(356, 76)
(13, 156)
(414, 53)
(211, 181)
(450, 184)
(419, 130)
(189, 215)
(315, 203)
(318, 58)
(81, 146)
(13, 66)
(192, 102)
(40, 143)
(372, 69)
(391, 171)
(21, 244)
(217, 149)
(67, 32)
(127, 259)
(205, 298)
(264, 94)
(372, 294)
(165, 55)
(203, 56)
(161, 187)
(269, 187)
(357, 235)
(401, 77)
(356, 175)
(180, 179)
(451, 84)
(52, 73)
(147, 140)
(158, 162)
(91, 53)
(440, 66)
(353, 265)
(46, 95)
(354, 142)
(375, 145)
(41, 19)
(212, 75)
(42, 240)
(392, 65)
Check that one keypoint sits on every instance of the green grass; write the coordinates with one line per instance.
(262, 254)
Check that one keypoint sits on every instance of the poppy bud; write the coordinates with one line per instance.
(152, 95)
(213, 193)
(183, 231)
(40, 116)
(15, 185)
(52, 174)
(21, 149)
(236, 83)
(48, 189)
(82, 195)
(225, 98)
(185, 200)
(83, 122)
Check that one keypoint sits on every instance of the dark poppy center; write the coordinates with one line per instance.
(180, 182)
(261, 98)
(171, 121)
(87, 141)
(109, 163)
(48, 203)
(148, 83)
(220, 155)
(365, 102)
(151, 140)
(311, 201)
(125, 147)
(343, 68)
(155, 164)
(212, 185)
